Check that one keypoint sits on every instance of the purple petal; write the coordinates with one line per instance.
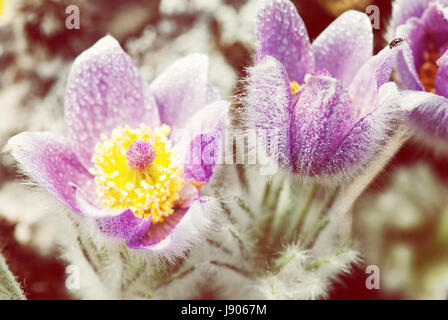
(373, 74)
(428, 113)
(282, 34)
(206, 145)
(414, 33)
(322, 116)
(207, 118)
(48, 159)
(406, 9)
(104, 90)
(183, 89)
(367, 135)
(268, 105)
(181, 230)
(406, 70)
(202, 157)
(125, 225)
(159, 231)
(344, 46)
(212, 94)
(431, 27)
(442, 76)
(435, 19)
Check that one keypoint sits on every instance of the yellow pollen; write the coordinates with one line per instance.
(428, 71)
(294, 87)
(150, 190)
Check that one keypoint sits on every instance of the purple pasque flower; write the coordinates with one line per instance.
(322, 108)
(422, 64)
(120, 164)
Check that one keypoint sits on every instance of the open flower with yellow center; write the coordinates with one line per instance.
(422, 65)
(323, 108)
(138, 169)
(132, 159)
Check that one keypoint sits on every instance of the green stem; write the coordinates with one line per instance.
(305, 209)
(283, 261)
(322, 219)
(176, 276)
(231, 267)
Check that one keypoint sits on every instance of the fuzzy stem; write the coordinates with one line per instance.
(306, 207)
(283, 260)
(322, 218)
(229, 266)
(9, 288)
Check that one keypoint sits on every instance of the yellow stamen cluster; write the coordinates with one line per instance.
(428, 71)
(295, 87)
(151, 190)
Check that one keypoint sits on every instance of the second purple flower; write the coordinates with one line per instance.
(422, 65)
(323, 108)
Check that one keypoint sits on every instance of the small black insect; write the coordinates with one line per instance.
(394, 43)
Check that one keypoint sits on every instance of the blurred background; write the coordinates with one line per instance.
(36, 52)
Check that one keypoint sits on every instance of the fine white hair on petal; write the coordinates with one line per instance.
(373, 132)
(267, 107)
(388, 111)
(191, 229)
(427, 118)
(91, 211)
